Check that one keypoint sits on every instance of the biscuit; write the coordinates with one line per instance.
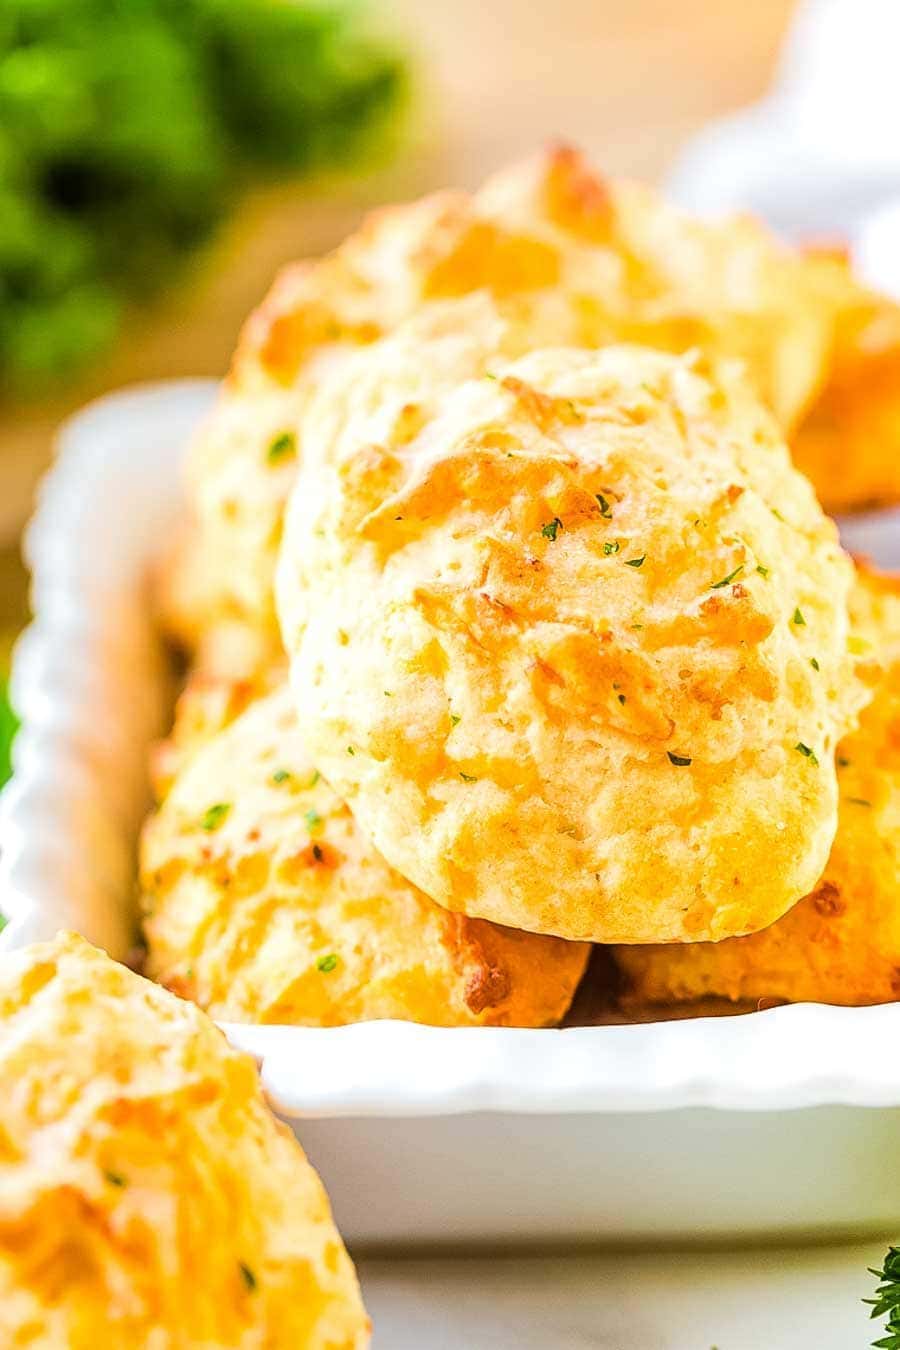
(148, 1196)
(849, 442)
(569, 257)
(206, 705)
(570, 638)
(264, 902)
(841, 943)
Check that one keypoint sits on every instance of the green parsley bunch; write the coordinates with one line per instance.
(128, 126)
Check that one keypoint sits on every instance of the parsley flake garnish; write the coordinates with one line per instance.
(312, 818)
(350, 750)
(552, 528)
(798, 618)
(635, 562)
(317, 852)
(763, 571)
(326, 964)
(605, 508)
(682, 761)
(843, 762)
(726, 581)
(3, 922)
(283, 446)
(247, 1276)
(621, 698)
(314, 778)
(611, 546)
(115, 1179)
(814, 663)
(489, 375)
(809, 753)
(214, 815)
(281, 775)
(467, 777)
(858, 801)
(455, 719)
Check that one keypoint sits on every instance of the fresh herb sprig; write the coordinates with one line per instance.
(886, 1302)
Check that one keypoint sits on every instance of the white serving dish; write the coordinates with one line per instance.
(782, 1122)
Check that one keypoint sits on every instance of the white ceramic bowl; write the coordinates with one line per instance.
(784, 1121)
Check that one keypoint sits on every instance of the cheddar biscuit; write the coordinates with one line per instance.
(841, 944)
(148, 1196)
(570, 637)
(569, 257)
(265, 902)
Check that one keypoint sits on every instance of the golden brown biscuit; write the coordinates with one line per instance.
(221, 642)
(566, 256)
(841, 944)
(243, 461)
(206, 705)
(875, 619)
(148, 1196)
(849, 443)
(822, 349)
(574, 650)
(265, 903)
(640, 270)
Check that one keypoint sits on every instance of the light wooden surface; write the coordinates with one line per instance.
(629, 81)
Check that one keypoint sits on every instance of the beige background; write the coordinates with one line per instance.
(627, 79)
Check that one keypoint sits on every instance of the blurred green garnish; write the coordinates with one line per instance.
(213, 816)
(127, 127)
(8, 725)
(283, 446)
